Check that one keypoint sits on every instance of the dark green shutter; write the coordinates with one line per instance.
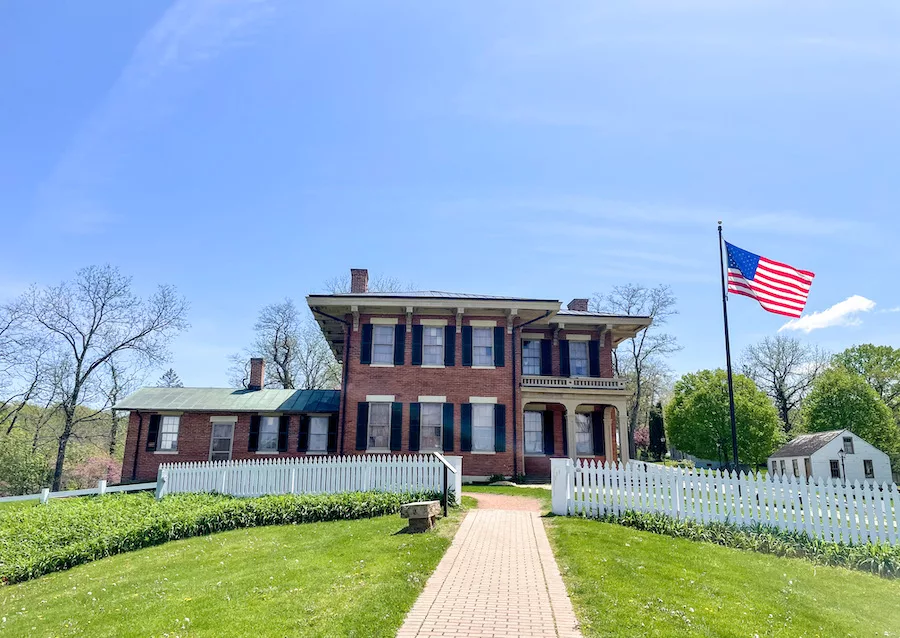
(303, 434)
(416, 357)
(467, 345)
(565, 433)
(332, 433)
(448, 427)
(465, 427)
(399, 344)
(284, 424)
(548, 432)
(153, 433)
(594, 358)
(597, 435)
(362, 425)
(499, 347)
(546, 357)
(415, 427)
(365, 350)
(396, 426)
(449, 345)
(500, 428)
(253, 439)
(563, 358)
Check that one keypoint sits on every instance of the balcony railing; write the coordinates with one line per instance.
(566, 383)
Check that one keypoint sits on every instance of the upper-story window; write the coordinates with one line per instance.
(168, 433)
(379, 425)
(382, 344)
(531, 357)
(432, 345)
(848, 445)
(578, 359)
(268, 434)
(483, 346)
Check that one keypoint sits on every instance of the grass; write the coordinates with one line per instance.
(625, 582)
(531, 492)
(347, 578)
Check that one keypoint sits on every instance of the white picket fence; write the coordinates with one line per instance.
(849, 514)
(312, 475)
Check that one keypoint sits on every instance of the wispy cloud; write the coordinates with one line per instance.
(895, 309)
(190, 33)
(844, 313)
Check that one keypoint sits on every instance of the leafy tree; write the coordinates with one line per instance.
(879, 366)
(784, 368)
(169, 379)
(657, 432)
(697, 418)
(841, 400)
(21, 470)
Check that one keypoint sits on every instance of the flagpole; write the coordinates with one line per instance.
(734, 444)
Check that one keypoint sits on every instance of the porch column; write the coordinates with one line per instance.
(609, 427)
(570, 429)
(622, 417)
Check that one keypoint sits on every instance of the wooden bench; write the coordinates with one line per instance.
(421, 515)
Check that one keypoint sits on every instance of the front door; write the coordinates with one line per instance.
(222, 439)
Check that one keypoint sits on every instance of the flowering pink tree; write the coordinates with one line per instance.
(88, 472)
(642, 437)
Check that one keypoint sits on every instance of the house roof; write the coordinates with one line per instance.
(807, 444)
(429, 294)
(231, 400)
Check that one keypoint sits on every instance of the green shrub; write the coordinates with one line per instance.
(68, 532)
(878, 558)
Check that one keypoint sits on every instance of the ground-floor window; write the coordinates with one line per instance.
(379, 425)
(220, 447)
(431, 424)
(835, 468)
(782, 467)
(482, 427)
(796, 467)
(168, 433)
(318, 435)
(584, 435)
(869, 469)
(268, 434)
(534, 432)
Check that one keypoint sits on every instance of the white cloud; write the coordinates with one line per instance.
(844, 313)
(895, 309)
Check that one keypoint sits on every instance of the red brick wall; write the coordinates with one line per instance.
(539, 466)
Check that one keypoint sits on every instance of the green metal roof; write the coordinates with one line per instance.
(231, 400)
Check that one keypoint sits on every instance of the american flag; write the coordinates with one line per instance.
(777, 287)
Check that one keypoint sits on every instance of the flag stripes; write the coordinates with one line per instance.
(779, 288)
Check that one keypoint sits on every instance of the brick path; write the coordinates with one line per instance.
(498, 578)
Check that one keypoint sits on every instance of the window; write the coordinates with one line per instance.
(482, 427)
(774, 467)
(379, 425)
(482, 346)
(584, 435)
(869, 469)
(578, 358)
(168, 433)
(531, 357)
(318, 435)
(835, 468)
(848, 445)
(534, 432)
(432, 346)
(220, 448)
(268, 434)
(782, 467)
(432, 417)
(807, 465)
(382, 344)
(796, 467)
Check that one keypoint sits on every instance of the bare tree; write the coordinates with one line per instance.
(784, 368)
(648, 349)
(90, 321)
(379, 283)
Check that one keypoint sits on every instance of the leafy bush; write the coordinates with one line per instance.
(92, 469)
(65, 533)
(878, 558)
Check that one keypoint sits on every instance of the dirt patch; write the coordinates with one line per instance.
(504, 502)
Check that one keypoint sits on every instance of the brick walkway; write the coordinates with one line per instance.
(498, 578)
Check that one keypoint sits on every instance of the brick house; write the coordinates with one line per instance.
(506, 383)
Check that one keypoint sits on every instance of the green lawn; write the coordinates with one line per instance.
(531, 492)
(624, 582)
(346, 578)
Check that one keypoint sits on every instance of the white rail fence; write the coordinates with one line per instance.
(101, 489)
(312, 475)
(849, 514)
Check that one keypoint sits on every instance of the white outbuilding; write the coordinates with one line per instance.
(836, 454)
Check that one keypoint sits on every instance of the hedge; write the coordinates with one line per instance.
(878, 558)
(69, 532)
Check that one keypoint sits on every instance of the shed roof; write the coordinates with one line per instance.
(807, 444)
(231, 400)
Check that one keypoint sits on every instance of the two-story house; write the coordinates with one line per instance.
(506, 383)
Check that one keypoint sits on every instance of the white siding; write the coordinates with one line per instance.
(853, 463)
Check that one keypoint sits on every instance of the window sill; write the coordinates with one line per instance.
(432, 365)
(432, 450)
(165, 452)
(474, 367)
(481, 452)
(267, 452)
(316, 453)
(379, 450)
(535, 455)
(381, 365)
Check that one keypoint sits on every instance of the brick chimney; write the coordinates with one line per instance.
(359, 280)
(257, 373)
(578, 304)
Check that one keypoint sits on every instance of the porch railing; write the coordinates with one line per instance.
(586, 383)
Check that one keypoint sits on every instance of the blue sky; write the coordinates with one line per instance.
(249, 150)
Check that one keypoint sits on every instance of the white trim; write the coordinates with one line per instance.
(534, 407)
(532, 335)
(432, 366)
(380, 398)
(433, 322)
(483, 452)
(223, 419)
(579, 337)
(267, 452)
(168, 413)
(482, 399)
(378, 450)
(432, 399)
(531, 455)
(383, 321)
(381, 365)
(165, 451)
(484, 367)
(482, 323)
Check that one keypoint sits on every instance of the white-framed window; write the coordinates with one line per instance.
(431, 421)
(432, 345)
(379, 426)
(578, 359)
(782, 467)
(774, 467)
(796, 467)
(869, 469)
(531, 356)
(318, 435)
(482, 427)
(382, 344)
(534, 432)
(268, 434)
(848, 445)
(168, 433)
(584, 435)
(222, 438)
(483, 346)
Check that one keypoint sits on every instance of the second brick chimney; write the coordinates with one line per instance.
(578, 304)
(257, 373)
(359, 280)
